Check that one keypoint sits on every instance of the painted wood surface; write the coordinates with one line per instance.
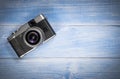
(60, 68)
(87, 44)
(72, 41)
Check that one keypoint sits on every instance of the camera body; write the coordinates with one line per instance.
(30, 35)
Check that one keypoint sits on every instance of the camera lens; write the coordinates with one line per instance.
(33, 37)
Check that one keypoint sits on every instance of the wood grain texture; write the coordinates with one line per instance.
(72, 41)
(60, 68)
(65, 12)
(87, 45)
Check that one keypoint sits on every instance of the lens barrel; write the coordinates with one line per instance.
(33, 37)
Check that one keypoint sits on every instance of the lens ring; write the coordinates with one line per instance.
(37, 32)
(32, 37)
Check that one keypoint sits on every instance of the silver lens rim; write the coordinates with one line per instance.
(41, 33)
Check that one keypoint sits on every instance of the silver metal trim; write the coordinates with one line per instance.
(39, 18)
(49, 38)
(19, 31)
(27, 52)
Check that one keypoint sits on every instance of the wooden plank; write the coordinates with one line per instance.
(71, 41)
(60, 68)
(79, 12)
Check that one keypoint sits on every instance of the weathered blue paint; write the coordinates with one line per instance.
(60, 68)
(87, 45)
(78, 12)
(72, 41)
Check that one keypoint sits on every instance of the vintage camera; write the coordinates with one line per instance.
(30, 35)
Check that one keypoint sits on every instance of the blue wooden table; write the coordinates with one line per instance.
(87, 44)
